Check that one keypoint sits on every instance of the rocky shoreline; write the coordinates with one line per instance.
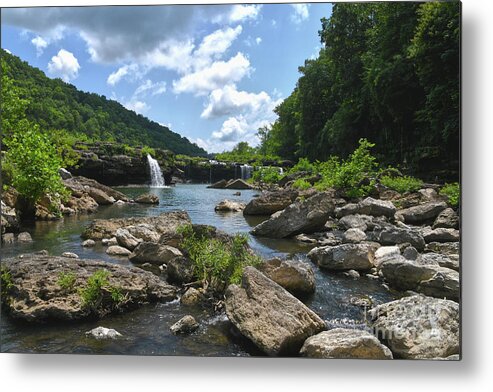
(409, 243)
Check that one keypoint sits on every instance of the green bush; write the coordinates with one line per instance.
(5, 282)
(97, 284)
(303, 165)
(147, 150)
(269, 175)
(217, 263)
(402, 184)
(302, 184)
(452, 191)
(66, 280)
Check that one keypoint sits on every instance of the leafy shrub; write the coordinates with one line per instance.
(452, 191)
(93, 293)
(217, 263)
(66, 280)
(402, 184)
(303, 165)
(268, 175)
(5, 282)
(147, 150)
(302, 184)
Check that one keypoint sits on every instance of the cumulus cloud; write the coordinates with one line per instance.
(232, 129)
(137, 106)
(40, 45)
(258, 40)
(300, 13)
(64, 65)
(242, 12)
(217, 75)
(120, 73)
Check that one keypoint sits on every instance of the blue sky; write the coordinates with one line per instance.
(211, 73)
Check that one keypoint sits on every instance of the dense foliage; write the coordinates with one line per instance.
(244, 153)
(217, 263)
(452, 191)
(388, 72)
(54, 104)
(402, 184)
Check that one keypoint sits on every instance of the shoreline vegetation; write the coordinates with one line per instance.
(362, 165)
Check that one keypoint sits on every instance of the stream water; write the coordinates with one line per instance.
(146, 330)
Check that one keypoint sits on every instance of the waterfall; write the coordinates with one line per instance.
(157, 179)
(246, 172)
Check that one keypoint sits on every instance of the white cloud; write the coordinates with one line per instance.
(258, 40)
(149, 87)
(217, 75)
(300, 13)
(40, 45)
(120, 73)
(242, 12)
(214, 45)
(137, 106)
(232, 129)
(8, 51)
(64, 65)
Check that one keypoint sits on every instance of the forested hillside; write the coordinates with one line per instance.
(56, 105)
(387, 72)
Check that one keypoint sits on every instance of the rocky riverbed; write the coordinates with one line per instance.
(406, 244)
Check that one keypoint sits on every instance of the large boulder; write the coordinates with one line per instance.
(147, 198)
(101, 197)
(125, 239)
(270, 202)
(221, 184)
(144, 232)
(238, 184)
(180, 270)
(440, 235)
(448, 218)
(386, 253)
(306, 216)
(422, 213)
(345, 343)
(428, 279)
(185, 325)
(165, 223)
(295, 276)
(270, 316)
(37, 293)
(353, 236)
(79, 185)
(9, 218)
(150, 252)
(393, 235)
(344, 257)
(229, 206)
(442, 260)
(418, 327)
(368, 206)
(116, 250)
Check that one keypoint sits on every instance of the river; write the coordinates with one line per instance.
(146, 330)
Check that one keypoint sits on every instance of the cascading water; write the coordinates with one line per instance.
(246, 172)
(157, 179)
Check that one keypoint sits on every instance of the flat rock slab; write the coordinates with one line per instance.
(295, 276)
(344, 257)
(270, 202)
(164, 223)
(270, 316)
(36, 295)
(345, 343)
(418, 327)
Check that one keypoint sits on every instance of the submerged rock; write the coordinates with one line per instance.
(306, 216)
(116, 250)
(88, 243)
(185, 325)
(24, 237)
(418, 327)
(147, 198)
(103, 333)
(229, 206)
(270, 316)
(37, 295)
(345, 343)
(191, 297)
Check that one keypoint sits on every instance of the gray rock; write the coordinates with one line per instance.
(400, 235)
(410, 253)
(295, 276)
(385, 253)
(348, 209)
(144, 232)
(127, 240)
(445, 283)
(191, 297)
(37, 278)
(270, 202)
(24, 237)
(150, 252)
(306, 216)
(9, 218)
(185, 325)
(229, 206)
(8, 238)
(180, 270)
(101, 333)
(418, 327)
(219, 185)
(354, 236)
(354, 222)
(352, 274)
(64, 173)
(344, 257)
(88, 243)
(101, 197)
(147, 198)
(270, 316)
(423, 212)
(375, 207)
(116, 250)
(70, 255)
(447, 219)
(446, 248)
(439, 259)
(440, 235)
(238, 184)
(345, 343)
